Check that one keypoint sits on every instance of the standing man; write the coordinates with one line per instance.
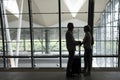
(71, 47)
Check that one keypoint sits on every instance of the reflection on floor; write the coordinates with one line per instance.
(57, 75)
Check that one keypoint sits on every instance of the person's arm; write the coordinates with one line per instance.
(84, 39)
(77, 42)
(92, 42)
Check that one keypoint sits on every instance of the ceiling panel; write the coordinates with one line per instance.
(45, 12)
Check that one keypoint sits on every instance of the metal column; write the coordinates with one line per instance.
(31, 32)
(91, 15)
(119, 36)
(47, 41)
(12, 61)
(59, 9)
(19, 33)
(2, 32)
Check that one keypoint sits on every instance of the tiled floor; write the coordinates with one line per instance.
(57, 75)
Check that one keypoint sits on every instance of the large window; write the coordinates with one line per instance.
(43, 17)
(107, 35)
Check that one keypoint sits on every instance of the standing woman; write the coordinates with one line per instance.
(87, 44)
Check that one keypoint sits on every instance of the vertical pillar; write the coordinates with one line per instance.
(2, 32)
(24, 39)
(19, 33)
(119, 36)
(12, 61)
(42, 31)
(47, 41)
(91, 15)
(59, 10)
(31, 32)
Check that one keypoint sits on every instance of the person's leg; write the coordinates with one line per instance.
(90, 61)
(70, 61)
(85, 61)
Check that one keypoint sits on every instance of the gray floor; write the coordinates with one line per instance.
(58, 75)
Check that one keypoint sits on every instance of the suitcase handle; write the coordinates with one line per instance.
(79, 48)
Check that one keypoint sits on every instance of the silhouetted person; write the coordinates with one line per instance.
(71, 47)
(87, 44)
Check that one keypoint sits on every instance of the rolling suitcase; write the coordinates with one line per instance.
(76, 65)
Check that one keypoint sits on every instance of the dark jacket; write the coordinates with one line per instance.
(70, 41)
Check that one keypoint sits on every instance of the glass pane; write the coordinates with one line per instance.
(47, 62)
(106, 29)
(105, 62)
(16, 19)
(24, 62)
(1, 62)
(106, 34)
(46, 32)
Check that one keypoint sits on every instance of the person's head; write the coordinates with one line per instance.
(70, 26)
(87, 28)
